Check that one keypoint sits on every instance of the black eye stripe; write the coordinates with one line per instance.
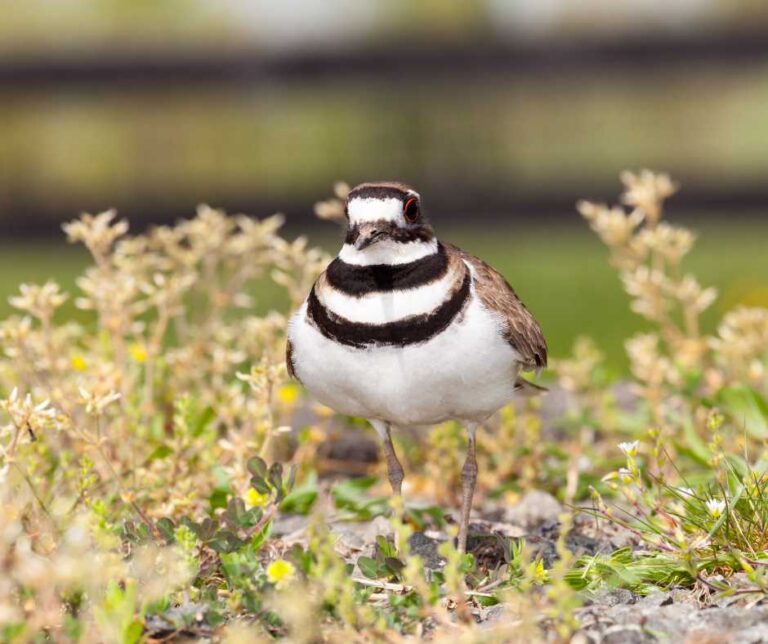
(395, 232)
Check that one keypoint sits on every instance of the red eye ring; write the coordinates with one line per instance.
(411, 210)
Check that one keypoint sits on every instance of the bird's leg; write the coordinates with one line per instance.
(468, 479)
(394, 469)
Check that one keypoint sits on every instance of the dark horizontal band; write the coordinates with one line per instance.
(403, 235)
(379, 192)
(356, 280)
(413, 329)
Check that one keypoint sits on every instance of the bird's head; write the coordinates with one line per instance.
(383, 216)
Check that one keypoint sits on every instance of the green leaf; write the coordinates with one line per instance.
(205, 530)
(257, 467)
(302, 558)
(203, 421)
(235, 510)
(161, 452)
(251, 517)
(301, 499)
(467, 564)
(225, 541)
(349, 495)
(11, 631)
(260, 485)
(133, 632)
(276, 477)
(260, 537)
(385, 547)
(486, 602)
(394, 565)
(361, 483)
(167, 529)
(426, 517)
(218, 499)
(693, 446)
(748, 408)
(369, 567)
(214, 617)
(143, 531)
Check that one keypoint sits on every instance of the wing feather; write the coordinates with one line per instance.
(521, 329)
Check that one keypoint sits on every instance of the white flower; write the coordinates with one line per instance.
(26, 413)
(629, 449)
(647, 191)
(40, 301)
(97, 232)
(94, 403)
(716, 507)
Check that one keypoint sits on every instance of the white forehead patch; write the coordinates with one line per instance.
(373, 209)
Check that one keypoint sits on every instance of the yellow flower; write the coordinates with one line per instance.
(256, 499)
(79, 363)
(288, 393)
(312, 435)
(511, 497)
(138, 353)
(280, 572)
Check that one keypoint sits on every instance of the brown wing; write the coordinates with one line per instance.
(522, 331)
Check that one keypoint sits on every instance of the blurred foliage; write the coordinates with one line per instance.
(287, 144)
(523, 135)
(559, 271)
(37, 27)
(183, 24)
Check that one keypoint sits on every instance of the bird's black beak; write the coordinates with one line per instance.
(369, 234)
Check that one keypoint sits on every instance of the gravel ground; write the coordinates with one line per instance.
(610, 616)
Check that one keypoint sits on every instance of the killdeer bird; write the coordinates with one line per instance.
(406, 330)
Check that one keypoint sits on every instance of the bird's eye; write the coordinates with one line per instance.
(411, 210)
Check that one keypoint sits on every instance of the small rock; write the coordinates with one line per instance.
(654, 599)
(422, 545)
(286, 524)
(535, 508)
(625, 634)
(356, 537)
(682, 596)
(612, 597)
(543, 539)
(683, 622)
(347, 453)
(184, 620)
(492, 616)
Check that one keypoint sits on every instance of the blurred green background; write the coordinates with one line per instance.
(501, 112)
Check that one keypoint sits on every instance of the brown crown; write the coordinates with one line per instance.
(381, 190)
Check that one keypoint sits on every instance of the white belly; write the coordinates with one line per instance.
(467, 372)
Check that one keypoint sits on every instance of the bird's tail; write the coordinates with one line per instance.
(527, 388)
